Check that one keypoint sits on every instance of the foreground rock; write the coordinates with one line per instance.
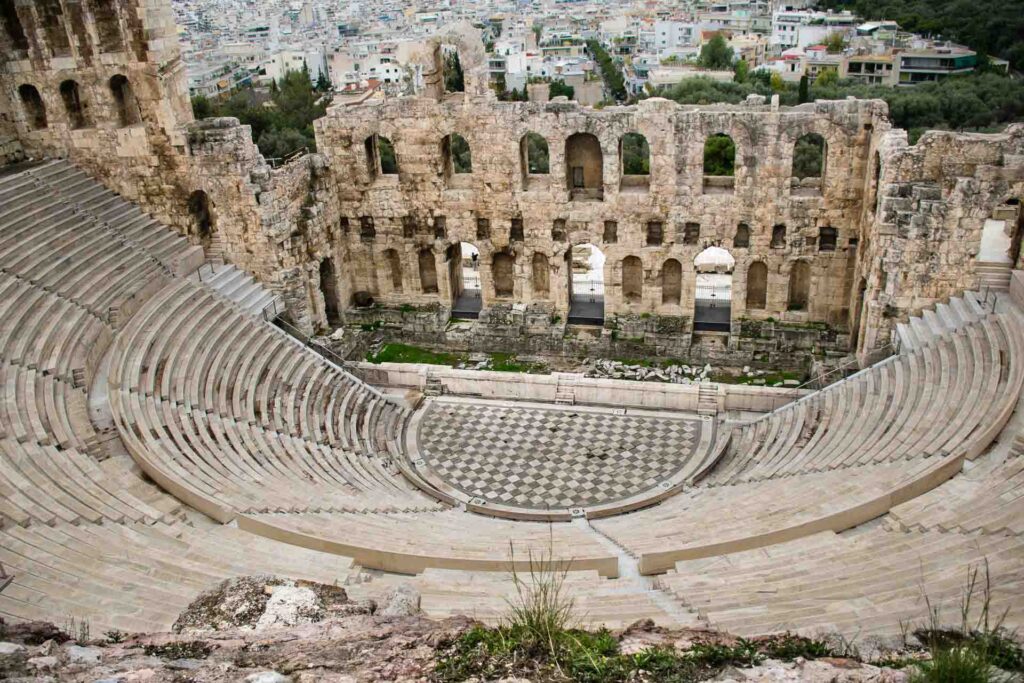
(267, 630)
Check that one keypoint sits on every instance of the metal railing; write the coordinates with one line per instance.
(278, 162)
(269, 312)
(5, 578)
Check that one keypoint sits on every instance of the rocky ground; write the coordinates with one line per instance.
(268, 630)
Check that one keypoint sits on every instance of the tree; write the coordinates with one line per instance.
(610, 73)
(804, 94)
(835, 43)
(202, 108)
(716, 53)
(636, 155)
(808, 153)
(827, 77)
(741, 71)
(777, 84)
(719, 156)
(559, 88)
(277, 144)
(323, 83)
(454, 78)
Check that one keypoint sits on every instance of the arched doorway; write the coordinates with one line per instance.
(466, 299)
(329, 289)
(202, 219)
(585, 266)
(712, 301)
(584, 166)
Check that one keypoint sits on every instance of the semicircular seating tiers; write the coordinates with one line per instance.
(844, 455)
(81, 531)
(242, 422)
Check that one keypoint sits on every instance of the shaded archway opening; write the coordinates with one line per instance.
(428, 271)
(634, 162)
(584, 166)
(13, 28)
(719, 164)
(503, 274)
(671, 282)
(52, 17)
(808, 165)
(35, 109)
(799, 286)
(70, 95)
(535, 159)
(329, 290)
(124, 101)
(712, 300)
(541, 275)
(757, 286)
(394, 263)
(108, 27)
(742, 238)
(585, 266)
(466, 299)
(632, 280)
(201, 218)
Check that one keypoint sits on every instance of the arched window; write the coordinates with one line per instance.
(394, 262)
(809, 156)
(757, 285)
(778, 236)
(329, 289)
(199, 211)
(535, 157)
(386, 152)
(632, 279)
(502, 272)
(742, 238)
(456, 154)
(451, 70)
(35, 110)
(124, 101)
(584, 166)
(52, 17)
(12, 25)
(671, 282)
(799, 286)
(108, 27)
(73, 104)
(428, 272)
(634, 159)
(719, 155)
(541, 274)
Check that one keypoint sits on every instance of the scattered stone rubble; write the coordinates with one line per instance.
(264, 629)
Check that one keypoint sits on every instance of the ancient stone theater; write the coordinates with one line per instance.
(170, 419)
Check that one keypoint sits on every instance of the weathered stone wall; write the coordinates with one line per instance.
(425, 195)
(934, 199)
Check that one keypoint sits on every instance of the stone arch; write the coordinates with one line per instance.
(712, 292)
(394, 261)
(809, 156)
(741, 240)
(380, 156)
(757, 286)
(719, 155)
(456, 154)
(534, 153)
(585, 267)
(671, 282)
(584, 166)
(634, 161)
(428, 271)
(51, 15)
(108, 26)
(464, 277)
(32, 102)
(799, 286)
(503, 274)
(202, 219)
(778, 236)
(632, 279)
(13, 28)
(125, 104)
(72, 98)
(541, 274)
(329, 289)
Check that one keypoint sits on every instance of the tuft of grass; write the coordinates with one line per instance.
(77, 629)
(979, 648)
(509, 362)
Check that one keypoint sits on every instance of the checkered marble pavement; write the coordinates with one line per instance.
(544, 458)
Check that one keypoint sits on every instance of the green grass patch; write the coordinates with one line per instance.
(508, 362)
(405, 353)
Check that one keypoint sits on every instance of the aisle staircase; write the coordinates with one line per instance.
(945, 319)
